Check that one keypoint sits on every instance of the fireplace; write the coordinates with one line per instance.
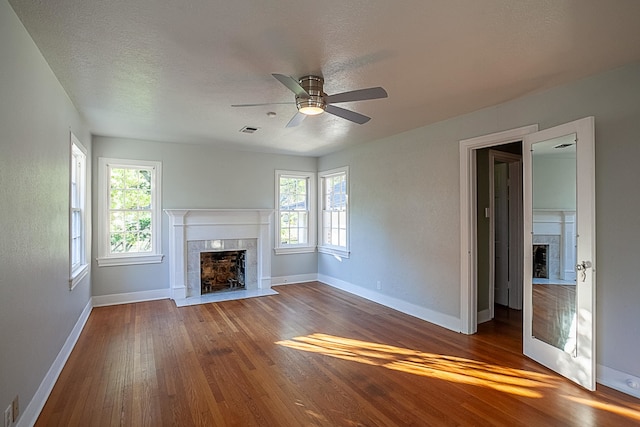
(196, 231)
(222, 271)
(554, 234)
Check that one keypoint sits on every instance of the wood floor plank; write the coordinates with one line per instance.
(311, 355)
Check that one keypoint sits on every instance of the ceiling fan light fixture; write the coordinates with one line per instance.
(313, 104)
(311, 110)
(311, 99)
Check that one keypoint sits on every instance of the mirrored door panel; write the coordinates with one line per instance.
(559, 249)
(553, 242)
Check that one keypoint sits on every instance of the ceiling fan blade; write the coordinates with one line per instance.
(357, 95)
(292, 84)
(347, 114)
(266, 103)
(296, 120)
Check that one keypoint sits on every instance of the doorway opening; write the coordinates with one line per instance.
(499, 219)
(475, 295)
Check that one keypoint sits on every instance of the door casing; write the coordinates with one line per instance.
(468, 229)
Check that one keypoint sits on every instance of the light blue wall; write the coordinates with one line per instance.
(37, 309)
(554, 182)
(405, 208)
(196, 176)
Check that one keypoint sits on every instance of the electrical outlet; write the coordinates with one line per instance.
(633, 383)
(8, 416)
(15, 409)
(378, 285)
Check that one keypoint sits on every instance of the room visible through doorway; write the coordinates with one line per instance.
(499, 218)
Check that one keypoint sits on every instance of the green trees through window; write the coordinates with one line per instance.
(296, 216)
(130, 210)
(294, 210)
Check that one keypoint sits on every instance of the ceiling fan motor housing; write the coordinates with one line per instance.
(314, 104)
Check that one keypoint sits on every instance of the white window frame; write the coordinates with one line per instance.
(105, 258)
(342, 251)
(78, 235)
(310, 246)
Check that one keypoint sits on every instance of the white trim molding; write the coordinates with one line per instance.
(310, 204)
(130, 297)
(296, 278)
(105, 257)
(79, 201)
(339, 250)
(484, 316)
(623, 382)
(33, 409)
(468, 232)
(440, 319)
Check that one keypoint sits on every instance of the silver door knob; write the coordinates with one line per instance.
(582, 268)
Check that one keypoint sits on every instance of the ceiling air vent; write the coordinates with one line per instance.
(565, 145)
(249, 129)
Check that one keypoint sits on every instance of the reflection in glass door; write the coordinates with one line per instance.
(559, 245)
(554, 238)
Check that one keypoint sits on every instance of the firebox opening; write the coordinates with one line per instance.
(540, 261)
(222, 271)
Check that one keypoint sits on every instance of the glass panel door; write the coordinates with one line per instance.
(559, 273)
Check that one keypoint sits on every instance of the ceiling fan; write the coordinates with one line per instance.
(311, 99)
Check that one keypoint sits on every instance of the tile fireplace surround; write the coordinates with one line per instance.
(217, 229)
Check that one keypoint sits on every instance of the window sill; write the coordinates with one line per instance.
(295, 250)
(129, 260)
(77, 275)
(340, 253)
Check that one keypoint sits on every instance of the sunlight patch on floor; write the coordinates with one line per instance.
(447, 368)
(610, 407)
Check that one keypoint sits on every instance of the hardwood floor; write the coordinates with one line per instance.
(554, 310)
(310, 356)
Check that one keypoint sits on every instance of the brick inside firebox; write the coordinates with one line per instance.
(222, 271)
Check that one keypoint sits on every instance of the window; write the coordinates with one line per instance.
(129, 212)
(334, 211)
(78, 246)
(296, 225)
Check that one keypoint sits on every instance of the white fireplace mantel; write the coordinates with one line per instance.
(216, 224)
(548, 223)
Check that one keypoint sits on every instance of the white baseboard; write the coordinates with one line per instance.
(130, 297)
(33, 409)
(617, 380)
(297, 278)
(440, 319)
(484, 316)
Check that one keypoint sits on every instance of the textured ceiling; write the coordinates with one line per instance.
(169, 70)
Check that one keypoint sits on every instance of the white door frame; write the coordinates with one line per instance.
(468, 206)
(516, 255)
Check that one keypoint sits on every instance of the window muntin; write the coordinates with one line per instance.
(334, 211)
(129, 212)
(78, 266)
(295, 227)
